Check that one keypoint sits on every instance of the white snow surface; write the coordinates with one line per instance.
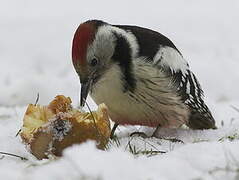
(35, 57)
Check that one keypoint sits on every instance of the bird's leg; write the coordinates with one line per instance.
(155, 131)
(113, 131)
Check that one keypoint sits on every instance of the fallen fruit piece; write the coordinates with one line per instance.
(48, 130)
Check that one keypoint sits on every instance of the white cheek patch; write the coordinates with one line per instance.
(103, 44)
(108, 31)
(169, 57)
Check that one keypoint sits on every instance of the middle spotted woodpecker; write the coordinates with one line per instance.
(140, 75)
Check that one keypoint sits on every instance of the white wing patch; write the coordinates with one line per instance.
(188, 88)
(171, 58)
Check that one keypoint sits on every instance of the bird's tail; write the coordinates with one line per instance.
(201, 120)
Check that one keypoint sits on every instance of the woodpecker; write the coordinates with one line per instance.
(140, 75)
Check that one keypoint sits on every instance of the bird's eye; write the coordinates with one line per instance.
(94, 62)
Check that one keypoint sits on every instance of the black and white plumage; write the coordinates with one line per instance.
(140, 75)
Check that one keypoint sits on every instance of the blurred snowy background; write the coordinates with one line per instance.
(36, 37)
(35, 57)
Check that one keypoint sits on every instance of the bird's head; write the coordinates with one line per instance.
(96, 47)
(92, 51)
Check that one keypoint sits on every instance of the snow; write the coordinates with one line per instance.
(35, 53)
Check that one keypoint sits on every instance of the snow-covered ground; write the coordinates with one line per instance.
(35, 57)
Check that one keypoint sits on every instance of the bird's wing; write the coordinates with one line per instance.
(186, 85)
(162, 53)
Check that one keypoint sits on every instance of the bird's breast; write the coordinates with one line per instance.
(151, 104)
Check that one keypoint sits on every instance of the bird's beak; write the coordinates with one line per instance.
(85, 86)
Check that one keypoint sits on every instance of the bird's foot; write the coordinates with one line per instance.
(140, 134)
(174, 140)
(156, 135)
(143, 135)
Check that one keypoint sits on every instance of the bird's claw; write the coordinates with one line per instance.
(141, 134)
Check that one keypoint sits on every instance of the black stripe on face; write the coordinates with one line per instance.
(123, 56)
